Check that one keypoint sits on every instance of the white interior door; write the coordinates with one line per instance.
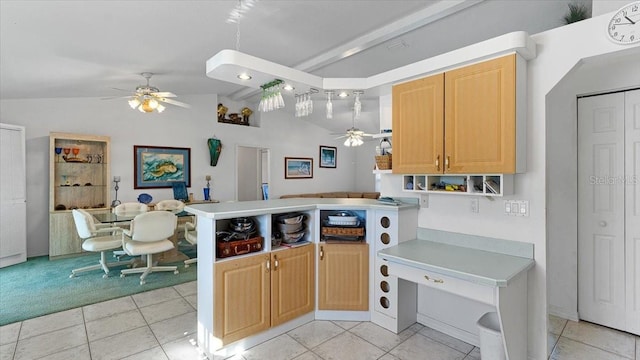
(601, 242)
(632, 213)
(13, 215)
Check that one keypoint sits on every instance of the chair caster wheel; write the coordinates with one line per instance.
(72, 276)
(121, 275)
(105, 276)
(176, 272)
(186, 265)
(142, 282)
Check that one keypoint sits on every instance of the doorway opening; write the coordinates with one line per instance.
(252, 172)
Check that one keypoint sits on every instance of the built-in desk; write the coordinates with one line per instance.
(497, 277)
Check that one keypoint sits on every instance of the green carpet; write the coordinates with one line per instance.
(39, 286)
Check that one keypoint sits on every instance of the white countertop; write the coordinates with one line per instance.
(477, 266)
(225, 210)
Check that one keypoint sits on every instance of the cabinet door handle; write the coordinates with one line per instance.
(321, 253)
(446, 162)
(437, 281)
(268, 265)
(438, 163)
(275, 262)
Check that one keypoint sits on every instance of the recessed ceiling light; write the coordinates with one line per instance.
(343, 94)
(244, 76)
(288, 87)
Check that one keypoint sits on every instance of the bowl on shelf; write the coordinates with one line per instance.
(290, 228)
(295, 218)
(292, 238)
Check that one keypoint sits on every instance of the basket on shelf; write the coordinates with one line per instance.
(383, 162)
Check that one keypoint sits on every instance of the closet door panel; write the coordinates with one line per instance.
(632, 209)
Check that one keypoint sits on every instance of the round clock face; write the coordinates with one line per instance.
(624, 26)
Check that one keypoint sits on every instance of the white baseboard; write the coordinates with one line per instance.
(449, 330)
(564, 313)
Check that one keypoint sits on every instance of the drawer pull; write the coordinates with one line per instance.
(438, 163)
(276, 263)
(437, 281)
(268, 265)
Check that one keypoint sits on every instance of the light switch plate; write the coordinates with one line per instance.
(474, 205)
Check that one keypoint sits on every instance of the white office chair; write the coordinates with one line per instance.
(170, 205)
(96, 239)
(149, 234)
(130, 208)
(191, 235)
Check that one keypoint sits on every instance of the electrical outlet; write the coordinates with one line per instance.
(474, 206)
(424, 200)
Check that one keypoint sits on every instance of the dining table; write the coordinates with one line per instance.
(170, 256)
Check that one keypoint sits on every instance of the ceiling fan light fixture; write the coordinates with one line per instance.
(343, 94)
(153, 103)
(134, 103)
(160, 108)
(146, 106)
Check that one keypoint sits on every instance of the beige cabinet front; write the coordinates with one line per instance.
(480, 118)
(257, 292)
(460, 122)
(242, 306)
(292, 283)
(418, 125)
(343, 279)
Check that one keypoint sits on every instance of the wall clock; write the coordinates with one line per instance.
(624, 26)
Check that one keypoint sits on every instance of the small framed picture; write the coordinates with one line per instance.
(328, 156)
(298, 168)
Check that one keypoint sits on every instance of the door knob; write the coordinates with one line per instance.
(602, 223)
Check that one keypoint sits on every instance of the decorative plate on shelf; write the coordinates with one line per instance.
(145, 198)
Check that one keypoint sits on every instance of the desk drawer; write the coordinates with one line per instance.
(485, 294)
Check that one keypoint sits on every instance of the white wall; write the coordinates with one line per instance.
(176, 127)
(592, 76)
(559, 50)
(600, 7)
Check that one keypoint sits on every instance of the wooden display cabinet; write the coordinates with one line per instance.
(343, 279)
(78, 178)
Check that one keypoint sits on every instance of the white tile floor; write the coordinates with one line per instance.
(161, 324)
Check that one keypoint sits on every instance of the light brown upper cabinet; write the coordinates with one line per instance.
(463, 121)
(418, 127)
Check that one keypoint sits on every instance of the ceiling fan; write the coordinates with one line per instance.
(353, 135)
(147, 98)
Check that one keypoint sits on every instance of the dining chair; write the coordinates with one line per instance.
(97, 238)
(170, 205)
(149, 234)
(130, 208)
(191, 236)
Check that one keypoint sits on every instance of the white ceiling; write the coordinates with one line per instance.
(86, 48)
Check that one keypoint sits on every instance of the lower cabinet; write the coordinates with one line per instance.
(63, 236)
(343, 279)
(256, 292)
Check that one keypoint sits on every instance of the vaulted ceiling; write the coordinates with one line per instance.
(55, 48)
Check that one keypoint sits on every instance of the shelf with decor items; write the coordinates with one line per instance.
(78, 178)
(474, 184)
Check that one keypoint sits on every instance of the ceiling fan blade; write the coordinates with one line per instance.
(129, 91)
(116, 97)
(174, 102)
(341, 137)
(164, 94)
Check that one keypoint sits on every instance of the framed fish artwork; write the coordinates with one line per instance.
(160, 167)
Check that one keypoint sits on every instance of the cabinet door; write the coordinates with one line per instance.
(418, 126)
(480, 117)
(241, 298)
(343, 281)
(63, 237)
(292, 283)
